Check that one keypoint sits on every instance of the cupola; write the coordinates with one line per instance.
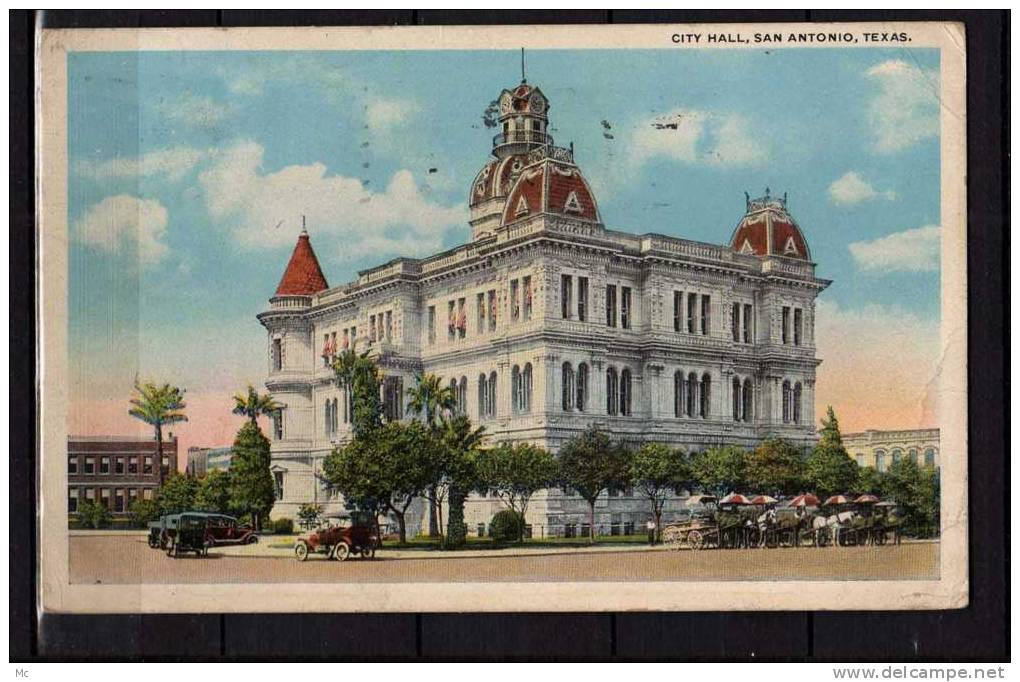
(768, 229)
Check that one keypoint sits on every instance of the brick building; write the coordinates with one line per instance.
(115, 470)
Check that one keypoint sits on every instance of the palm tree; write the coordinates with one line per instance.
(430, 399)
(254, 405)
(158, 405)
(461, 441)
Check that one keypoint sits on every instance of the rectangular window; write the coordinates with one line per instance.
(147, 465)
(492, 310)
(104, 465)
(277, 355)
(451, 320)
(480, 312)
(118, 466)
(461, 318)
(104, 497)
(166, 464)
(692, 309)
(735, 322)
(515, 306)
(566, 295)
(625, 307)
(278, 425)
(278, 484)
(118, 500)
(72, 465)
(748, 323)
(90, 494)
(72, 500)
(389, 325)
(133, 465)
(582, 298)
(706, 314)
(371, 333)
(785, 332)
(798, 324)
(432, 324)
(132, 498)
(354, 336)
(678, 311)
(147, 494)
(611, 305)
(527, 297)
(90, 465)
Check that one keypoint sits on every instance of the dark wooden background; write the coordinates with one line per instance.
(979, 632)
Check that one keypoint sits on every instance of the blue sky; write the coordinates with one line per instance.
(189, 173)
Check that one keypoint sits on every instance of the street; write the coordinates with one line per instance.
(112, 559)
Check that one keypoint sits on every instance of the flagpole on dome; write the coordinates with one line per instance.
(523, 79)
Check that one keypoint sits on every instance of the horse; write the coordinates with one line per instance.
(822, 524)
(765, 523)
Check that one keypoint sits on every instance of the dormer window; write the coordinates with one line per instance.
(790, 249)
(572, 205)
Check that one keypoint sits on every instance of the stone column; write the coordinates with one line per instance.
(550, 378)
(503, 390)
(598, 385)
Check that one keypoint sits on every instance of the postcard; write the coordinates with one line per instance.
(546, 318)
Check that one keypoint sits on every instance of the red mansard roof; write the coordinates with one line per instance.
(303, 276)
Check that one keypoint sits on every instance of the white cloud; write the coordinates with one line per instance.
(906, 109)
(915, 250)
(698, 137)
(250, 77)
(250, 203)
(386, 113)
(173, 163)
(852, 189)
(127, 224)
(195, 110)
(879, 366)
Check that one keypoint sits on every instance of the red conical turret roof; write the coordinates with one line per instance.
(303, 276)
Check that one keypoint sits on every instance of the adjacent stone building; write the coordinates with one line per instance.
(203, 460)
(879, 449)
(547, 321)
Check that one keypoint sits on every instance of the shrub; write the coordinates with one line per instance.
(93, 515)
(309, 514)
(506, 526)
(144, 511)
(283, 526)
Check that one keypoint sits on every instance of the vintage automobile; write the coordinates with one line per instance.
(339, 536)
(216, 530)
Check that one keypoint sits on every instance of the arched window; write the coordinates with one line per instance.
(912, 456)
(625, 392)
(798, 393)
(612, 391)
(348, 405)
(492, 394)
(582, 387)
(678, 393)
(897, 455)
(462, 403)
(568, 387)
(328, 423)
(747, 413)
(786, 402)
(456, 396)
(706, 387)
(690, 409)
(483, 396)
(929, 457)
(737, 402)
(880, 460)
(334, 412)
(515, 388)
(526, 388)
(860, 460)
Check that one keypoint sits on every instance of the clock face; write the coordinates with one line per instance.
(504, 104)
(537, 104)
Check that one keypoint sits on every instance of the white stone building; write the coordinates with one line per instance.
(879, 449)
(547, 321)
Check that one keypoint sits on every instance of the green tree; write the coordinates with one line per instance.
(916, 489)
(719, 470)
(213, 493)
(93, 514)
(829, 470)
(253, 405)
(309, 514)
(430, 400)
(870, 480)
(458, 474)
(775, 467)
(359, 376)
(657, 471)
(591, 463)
(386, 468)
(158, 406)
(515, 472)
(252, 490)
(177, 494)
(143, 511)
